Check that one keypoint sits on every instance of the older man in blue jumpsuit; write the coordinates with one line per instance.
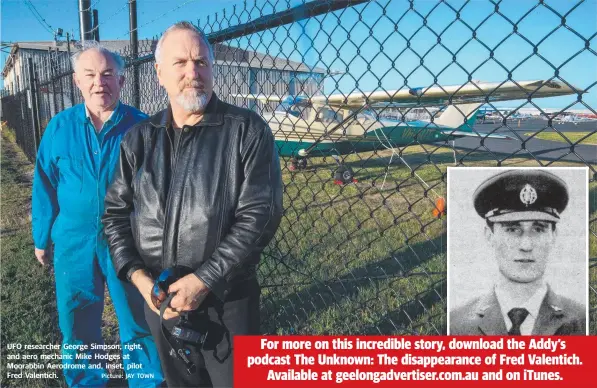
(74, 167)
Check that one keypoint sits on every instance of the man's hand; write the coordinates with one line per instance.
(190, 293)
(144, 284)
(43, 256)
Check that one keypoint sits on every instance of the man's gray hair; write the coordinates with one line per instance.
(183, 26)
(93, 45)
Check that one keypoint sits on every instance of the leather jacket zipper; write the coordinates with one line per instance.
(176, 151)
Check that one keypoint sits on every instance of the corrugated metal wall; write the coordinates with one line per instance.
(229, 79)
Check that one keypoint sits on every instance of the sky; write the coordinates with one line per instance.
(380, 45)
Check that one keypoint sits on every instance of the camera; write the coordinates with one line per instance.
(182, 333)
(185, 333)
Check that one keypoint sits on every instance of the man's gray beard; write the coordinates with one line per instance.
(192, 102)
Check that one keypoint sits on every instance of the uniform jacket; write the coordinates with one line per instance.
(212, 207)
(558, 315)
(73, 169)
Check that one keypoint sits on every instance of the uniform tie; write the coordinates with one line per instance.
(517, 316)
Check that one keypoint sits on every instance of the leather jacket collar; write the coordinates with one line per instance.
(212, 115)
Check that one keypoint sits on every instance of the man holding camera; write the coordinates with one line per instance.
(196, 198)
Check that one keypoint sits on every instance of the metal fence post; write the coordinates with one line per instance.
(34, 105)
(134, 52)
(36, 85)
(252, 87)
(69, 66)
(52, 75)
(59, 79)
(23, 91)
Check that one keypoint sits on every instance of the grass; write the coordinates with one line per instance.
(366, 258)
(588, 138)
(28, 308)
(28, 299)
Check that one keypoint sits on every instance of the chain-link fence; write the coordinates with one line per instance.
(368, 254)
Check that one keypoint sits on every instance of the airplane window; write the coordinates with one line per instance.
(329, 115)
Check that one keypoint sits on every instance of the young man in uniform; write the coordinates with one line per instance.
(521, 209)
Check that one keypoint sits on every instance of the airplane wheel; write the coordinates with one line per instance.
(302, 163)
(344, 175)
(298, 164)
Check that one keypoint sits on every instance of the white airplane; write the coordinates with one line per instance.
(340, 124)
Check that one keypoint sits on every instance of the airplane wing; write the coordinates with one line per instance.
(442, 95)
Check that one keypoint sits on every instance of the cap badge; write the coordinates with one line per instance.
(528, 195)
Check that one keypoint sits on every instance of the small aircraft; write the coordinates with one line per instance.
(572, 118)
(497, 116)
(340, 124)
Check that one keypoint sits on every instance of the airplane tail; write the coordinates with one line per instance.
(462, 116)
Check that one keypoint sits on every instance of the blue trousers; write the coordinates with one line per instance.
(82, 266)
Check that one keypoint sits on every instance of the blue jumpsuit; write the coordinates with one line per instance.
(73, 170)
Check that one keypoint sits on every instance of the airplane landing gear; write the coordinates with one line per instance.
(344, 175)
(297, 164)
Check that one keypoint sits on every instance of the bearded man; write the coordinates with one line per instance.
(198, 188)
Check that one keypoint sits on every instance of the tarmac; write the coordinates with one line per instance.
(543, 150)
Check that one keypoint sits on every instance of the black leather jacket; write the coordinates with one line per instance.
(213, 207)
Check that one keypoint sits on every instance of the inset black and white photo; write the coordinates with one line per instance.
(517, 251)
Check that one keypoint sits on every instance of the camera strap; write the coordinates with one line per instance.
(176, 346)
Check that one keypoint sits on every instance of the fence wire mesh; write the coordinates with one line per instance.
(368, 255)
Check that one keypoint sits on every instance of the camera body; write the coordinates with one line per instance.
(185, 333)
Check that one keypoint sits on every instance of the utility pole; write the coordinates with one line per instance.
(95, 26)
(85, 20)
(134, 51)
